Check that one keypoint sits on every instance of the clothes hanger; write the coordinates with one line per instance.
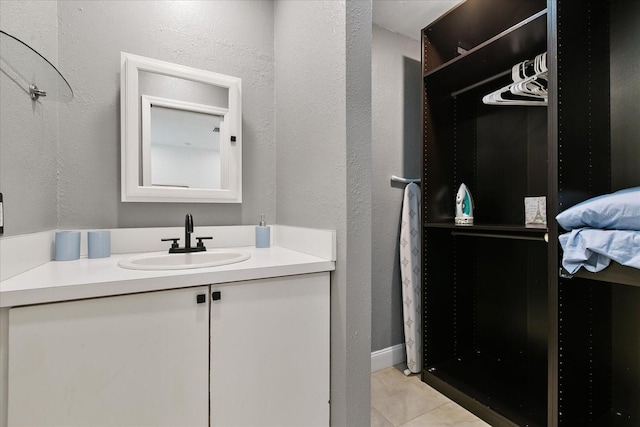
(529, 87)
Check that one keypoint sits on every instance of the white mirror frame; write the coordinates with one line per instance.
(132, 145)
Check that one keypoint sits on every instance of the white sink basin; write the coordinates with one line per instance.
(166, 261)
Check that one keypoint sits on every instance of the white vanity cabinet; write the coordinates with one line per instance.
(131, 360)
(270, 352)
(254, 353)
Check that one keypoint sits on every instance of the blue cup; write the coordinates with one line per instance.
(67, 245)
(99, 244)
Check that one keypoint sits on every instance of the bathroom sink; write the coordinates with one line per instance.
(166, 261)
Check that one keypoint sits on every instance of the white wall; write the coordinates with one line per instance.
(397, 140)
(323, 113)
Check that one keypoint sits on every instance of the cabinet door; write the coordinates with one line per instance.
(133, 360)
(270, 352)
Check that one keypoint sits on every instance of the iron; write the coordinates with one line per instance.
(464, 206)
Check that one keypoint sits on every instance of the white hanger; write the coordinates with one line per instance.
(529, 87)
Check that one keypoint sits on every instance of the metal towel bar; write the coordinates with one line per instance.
(404, 180)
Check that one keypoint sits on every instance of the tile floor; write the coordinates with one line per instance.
(401, 401)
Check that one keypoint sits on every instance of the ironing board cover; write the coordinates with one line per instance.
(410, 275)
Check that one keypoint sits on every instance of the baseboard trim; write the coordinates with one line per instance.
(387, 357)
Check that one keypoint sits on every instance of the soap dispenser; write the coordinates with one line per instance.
(262, 234)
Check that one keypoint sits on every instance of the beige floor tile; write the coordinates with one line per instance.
(400, 399)
(447, 415)
(377, 420)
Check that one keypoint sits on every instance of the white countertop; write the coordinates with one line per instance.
(90, 278)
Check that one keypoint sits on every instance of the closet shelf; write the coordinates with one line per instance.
(31, 71)
(492, 230)
(469, 25)
(615, 273)
(493, 57)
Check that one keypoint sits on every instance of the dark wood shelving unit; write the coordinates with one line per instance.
(466, 379)
(452, 34)
(507, 334)
(485, 286)
(598, 332)
(494, 56)
(485, 321)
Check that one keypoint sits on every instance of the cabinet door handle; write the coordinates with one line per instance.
(201, 298)
(215, 296)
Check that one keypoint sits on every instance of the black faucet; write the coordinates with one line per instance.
(188, 229)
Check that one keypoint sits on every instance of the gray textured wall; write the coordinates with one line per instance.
(83, 172)
(228, 37)
(397, 138)
(28, 130)
(323, 111)
(28, 145)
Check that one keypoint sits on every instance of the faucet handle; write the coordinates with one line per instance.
(174, 245)
(200, 239)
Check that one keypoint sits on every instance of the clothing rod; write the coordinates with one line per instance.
(544, 238)
(480, 83)
(404, 180)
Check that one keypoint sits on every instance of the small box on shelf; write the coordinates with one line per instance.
(535, 212)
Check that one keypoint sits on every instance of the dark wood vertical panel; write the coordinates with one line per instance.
(625, 338)
(583, 98)
(584, 315)
(625, 152)
(501, 312)
(598, 346)
(552, 211)
(501, 165)
(439, 196)
(625, 94)
(438, 317)
(537, 320)
(537, 154)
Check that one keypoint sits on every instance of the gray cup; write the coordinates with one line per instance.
(67, 245)
(99, 243)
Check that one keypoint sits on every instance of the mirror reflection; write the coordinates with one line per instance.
(185, 148)
(172, 87)
(180, 114)
(182, 144)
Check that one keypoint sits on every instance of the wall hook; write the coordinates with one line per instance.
(36, 93)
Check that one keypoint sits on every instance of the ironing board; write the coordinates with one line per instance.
(410, 272)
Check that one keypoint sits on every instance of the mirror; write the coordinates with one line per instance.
(181, 133)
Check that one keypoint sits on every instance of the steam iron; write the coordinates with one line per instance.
(464, 206)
